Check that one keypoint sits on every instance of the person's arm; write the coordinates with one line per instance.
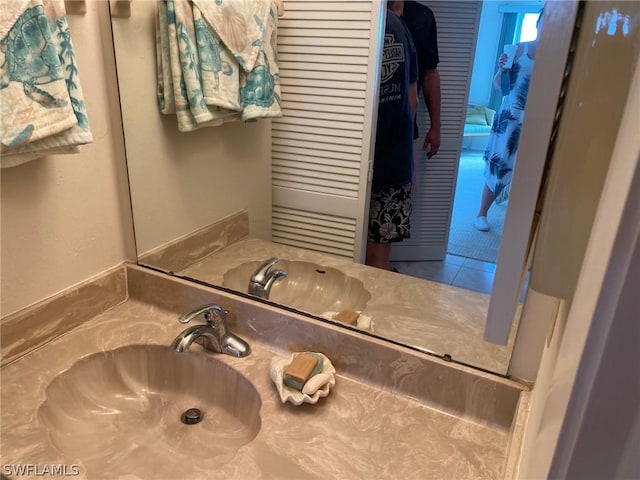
(497, 80)
(431, 91)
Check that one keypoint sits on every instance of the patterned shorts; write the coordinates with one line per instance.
(389, 213)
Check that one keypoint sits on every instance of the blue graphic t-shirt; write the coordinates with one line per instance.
(393, 158)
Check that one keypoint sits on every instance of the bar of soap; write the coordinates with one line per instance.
(315, 383)
(301, 368)
(347, 316)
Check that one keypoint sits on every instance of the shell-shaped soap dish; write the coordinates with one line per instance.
(288, 394)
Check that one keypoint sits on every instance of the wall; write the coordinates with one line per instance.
(67, 218)
(177, 184)
(484, 64)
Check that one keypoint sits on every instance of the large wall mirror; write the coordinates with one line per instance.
(215, 203)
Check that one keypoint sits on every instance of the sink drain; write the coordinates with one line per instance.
(192, 416)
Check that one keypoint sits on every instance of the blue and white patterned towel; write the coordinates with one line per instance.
(42, 105)
(217, 61)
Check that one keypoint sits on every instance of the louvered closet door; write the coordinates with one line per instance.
(457, 33)
(321, 147)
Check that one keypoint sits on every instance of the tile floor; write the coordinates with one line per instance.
(469, 273)
(458, 271)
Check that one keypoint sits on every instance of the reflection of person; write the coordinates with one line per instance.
(502, 146)
(422, 25)
(390, 204)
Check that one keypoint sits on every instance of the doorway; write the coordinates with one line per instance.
(471, 256)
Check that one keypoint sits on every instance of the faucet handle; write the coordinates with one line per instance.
(213, 314)
(260, 275)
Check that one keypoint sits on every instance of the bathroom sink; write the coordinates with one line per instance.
(308, 287)
(147, 411)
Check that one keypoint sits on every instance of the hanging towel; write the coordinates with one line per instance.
(248, 29)
(217, 61)
(192, 69)
(260, 87)
(42, 105)
(240, 24)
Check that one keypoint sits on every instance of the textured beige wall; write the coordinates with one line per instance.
(67, 218)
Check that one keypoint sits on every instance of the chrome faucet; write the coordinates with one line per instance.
(263, 278)
(213, 335)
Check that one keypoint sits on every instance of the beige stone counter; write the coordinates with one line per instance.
(393, 413)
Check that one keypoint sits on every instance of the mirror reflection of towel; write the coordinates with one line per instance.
(240, 25)
(43, 107)
(217, 61)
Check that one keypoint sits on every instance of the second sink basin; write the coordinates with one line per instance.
(121, 412)
(308, 287)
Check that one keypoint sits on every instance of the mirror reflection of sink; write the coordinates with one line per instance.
(308, 287)
(122, 412)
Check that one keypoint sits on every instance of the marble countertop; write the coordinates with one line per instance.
(453, 318)
(358, 431)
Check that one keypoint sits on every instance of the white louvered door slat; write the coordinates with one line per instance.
(325, 116)
(324, 42)
(311, 6)
(324, 84)
(433, 202)
(301, 58)
(286, 34)
(312, 122)
(334, 76)
(311, 136)
(336, 94)
(320, 107)
(323, 99)
(355, 134)
(322, 50)
(321, 67)
(298, 152)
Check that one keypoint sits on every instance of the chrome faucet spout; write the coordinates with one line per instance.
(263, 278)
(260, 275)
(203, 334)
(213, 335)
(271, 279)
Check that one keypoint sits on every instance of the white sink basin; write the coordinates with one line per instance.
(119, 412)
(308, 287)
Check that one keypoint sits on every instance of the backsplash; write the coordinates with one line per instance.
(38, 324)
(183, 252)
